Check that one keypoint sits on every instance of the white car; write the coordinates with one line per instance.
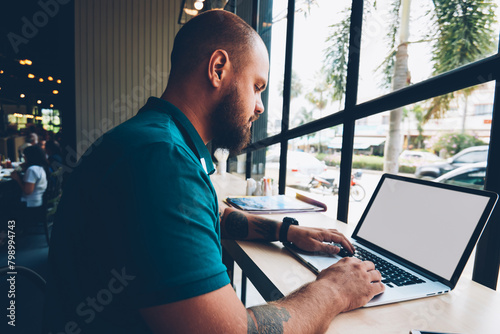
(471, 176)
(417, 158)
(301, 166)
(463, 158)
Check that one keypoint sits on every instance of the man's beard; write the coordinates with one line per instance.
(230, 127)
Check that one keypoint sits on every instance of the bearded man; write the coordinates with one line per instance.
(136, 245)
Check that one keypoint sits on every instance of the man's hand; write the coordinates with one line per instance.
(344, 286)
(239, 225)
(15, 176)
(317, 239)
(356, 282)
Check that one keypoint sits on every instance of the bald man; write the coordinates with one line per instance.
(136, 243)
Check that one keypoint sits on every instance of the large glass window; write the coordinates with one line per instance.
(265, 164)
(317, 89)
(273, 32)
(51, 120)
(440, 52)
(406, 42)
(313, 166)
(441, 148)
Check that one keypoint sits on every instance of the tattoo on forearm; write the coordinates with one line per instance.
(236, 225)
(252, 328)
(265, 227)
(270, 319)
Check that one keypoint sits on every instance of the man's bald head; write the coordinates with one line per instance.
(202, 35)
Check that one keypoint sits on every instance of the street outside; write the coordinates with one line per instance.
(368, 181)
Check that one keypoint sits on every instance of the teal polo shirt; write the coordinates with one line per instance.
(137, 226)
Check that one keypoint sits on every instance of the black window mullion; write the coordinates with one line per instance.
(287, 83)
(486, 262)
(486, 266)
(350, 102)
(255, 14)
(479, 72)
(470, 75)
(255, 24)
(248, 165)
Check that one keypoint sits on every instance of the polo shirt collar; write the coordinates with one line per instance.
(202, 152)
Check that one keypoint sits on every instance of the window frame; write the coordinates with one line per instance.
(486, 265)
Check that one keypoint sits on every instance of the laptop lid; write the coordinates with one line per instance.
(428, 226)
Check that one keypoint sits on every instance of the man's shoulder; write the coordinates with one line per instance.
(131, 136)
(147, 127)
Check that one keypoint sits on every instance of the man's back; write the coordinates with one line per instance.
(124, 222)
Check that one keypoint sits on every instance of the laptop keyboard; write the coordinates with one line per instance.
(392, 275)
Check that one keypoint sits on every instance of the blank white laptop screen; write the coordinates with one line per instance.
(425, 225)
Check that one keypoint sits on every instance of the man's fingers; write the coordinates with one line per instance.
(328, 248)
(337, 237)
(369, 265)
(378, 287)
(375, 276)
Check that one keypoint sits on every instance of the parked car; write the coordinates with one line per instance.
(300, 166)
(465, 157)
(471, 176)
(417, 158)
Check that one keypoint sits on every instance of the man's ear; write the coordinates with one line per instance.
(218, 67)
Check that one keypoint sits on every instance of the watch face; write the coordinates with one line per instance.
(290, 220)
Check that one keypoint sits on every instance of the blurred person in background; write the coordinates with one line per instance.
(33, 182)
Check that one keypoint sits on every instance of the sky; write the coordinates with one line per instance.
(311, 32)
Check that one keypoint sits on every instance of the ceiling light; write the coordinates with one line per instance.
(191, 12)
(31, 76)
(59, 81)
(190, 8)
(50, 78)
(41, 79)
(39, 101)
(22, 96)
(55, 92)
(51, 105)
(198, 5)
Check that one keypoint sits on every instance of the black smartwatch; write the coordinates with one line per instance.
(287, 221)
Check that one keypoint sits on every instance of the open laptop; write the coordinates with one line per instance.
(418, 233)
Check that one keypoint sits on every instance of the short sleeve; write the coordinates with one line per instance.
(31, 175)
(173, 228)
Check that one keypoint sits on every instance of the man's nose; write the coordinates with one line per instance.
(259, 106)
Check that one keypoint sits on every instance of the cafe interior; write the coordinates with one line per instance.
(72, 70)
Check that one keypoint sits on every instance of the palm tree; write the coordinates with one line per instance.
(456, 47)
(401, 79)
(336, 55)
(318, 97)
(418, 112)
(305, 116)
(463, 33)
(295, 88)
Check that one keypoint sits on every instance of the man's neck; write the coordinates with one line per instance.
(195, 108)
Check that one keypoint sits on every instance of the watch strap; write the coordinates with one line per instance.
(285, 226)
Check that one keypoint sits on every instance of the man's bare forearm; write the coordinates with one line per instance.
(308, 310)
(267, 319)
(240, 226)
